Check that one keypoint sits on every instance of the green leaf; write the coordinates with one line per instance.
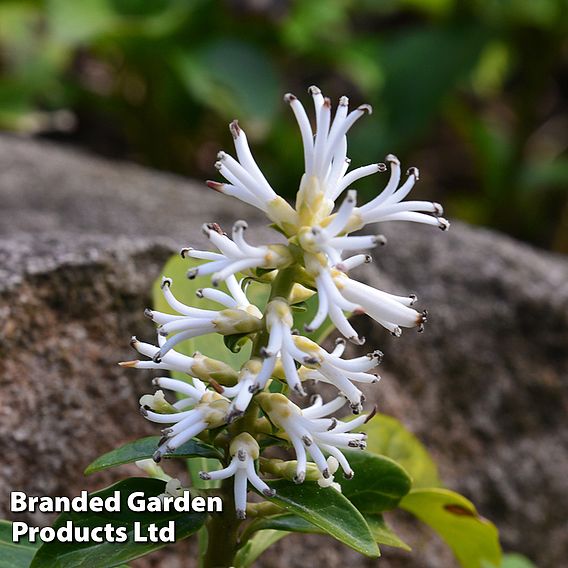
(455, 49)
(473, 539)
(14, 555)
(236, 341)
(144, 448)
(93, 554)
(195, 465)
(329, 510)
(212, 344)
(255, 546)
(79, 22)
(378, 485)
(237, 74)
(388, 437)
(514, 560)
(286, 522)
(383, 533)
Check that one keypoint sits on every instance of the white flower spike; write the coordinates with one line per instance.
(316, 260)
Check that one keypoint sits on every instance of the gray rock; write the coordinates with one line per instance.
(484, 386)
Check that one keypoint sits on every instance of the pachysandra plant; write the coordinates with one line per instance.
(284, 464)
(318, 257)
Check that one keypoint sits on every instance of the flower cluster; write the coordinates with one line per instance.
(316, 260)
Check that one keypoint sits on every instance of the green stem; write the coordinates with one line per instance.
(222, 531)
(283, 283)
(223, 528)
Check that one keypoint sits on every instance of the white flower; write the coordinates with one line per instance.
(325, 175)
(316, 363)
(309, 432)
(319, 365)
(234, 255)
(331, 303)
(196, 366)
(244, 451)
(247, 182)
(243, 391)
(325, 150)
(325, 155)
(285, 348)
(326, 238)
(194, 322)
(210, 411)
(337, 293)
(332, 467)
(392, 312)
(280, 346)
(389, 204)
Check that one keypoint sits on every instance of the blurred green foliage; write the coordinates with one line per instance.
(472, 91)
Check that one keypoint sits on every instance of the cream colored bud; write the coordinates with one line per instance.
(288, 469)
(277, 406)
(205, 368)
(157, 402)
(278, 311)
(152, 469)
(251, 367)
(278, 256)
(215, 408)
(300, 293)
(283, 214)
(247, 442)
(311, 203)
(232, 321)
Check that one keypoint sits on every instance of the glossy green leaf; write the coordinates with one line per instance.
(14, 555)
(212, 344)
(383, 533)
(473, 539)
(388, 437)
(144, 448)
(287, 522)
(93, 554)
(255, 546)
(329, 510)
(378, 485)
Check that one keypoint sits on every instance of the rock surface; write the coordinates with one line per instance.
(485, 386)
